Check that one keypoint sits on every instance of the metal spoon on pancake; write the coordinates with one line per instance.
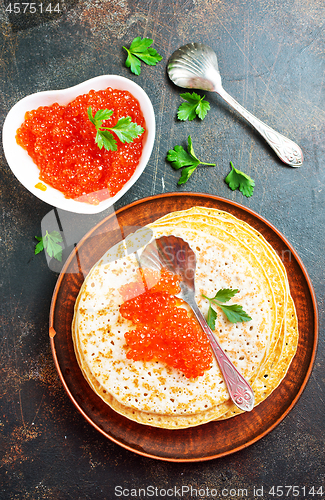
(175, 254)
(195, 66)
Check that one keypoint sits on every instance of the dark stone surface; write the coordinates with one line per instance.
(271, 56)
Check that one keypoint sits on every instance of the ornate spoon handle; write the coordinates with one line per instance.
(288, 151)
(239, 389)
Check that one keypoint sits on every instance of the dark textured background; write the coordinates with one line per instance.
(271, 57)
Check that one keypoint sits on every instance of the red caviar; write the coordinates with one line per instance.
(163, 330)
(61, 141)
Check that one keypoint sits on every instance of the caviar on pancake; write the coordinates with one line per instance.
(61, 142)
(163, 330)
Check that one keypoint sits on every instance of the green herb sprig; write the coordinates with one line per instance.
(125, 129)
(50, 243)
(234, 312)
(195, 105)
(180, 158)
(239, 180)
(138, 51)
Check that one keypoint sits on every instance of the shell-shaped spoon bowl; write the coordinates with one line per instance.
(195, 66)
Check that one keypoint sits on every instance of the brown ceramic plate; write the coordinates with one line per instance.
(211, 440)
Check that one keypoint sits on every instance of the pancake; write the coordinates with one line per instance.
(230, 254)
(249, 241)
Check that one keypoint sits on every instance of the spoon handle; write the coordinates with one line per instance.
(289, 152)
(239, 389)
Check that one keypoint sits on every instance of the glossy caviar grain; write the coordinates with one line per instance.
(163, 330)
(61, 141)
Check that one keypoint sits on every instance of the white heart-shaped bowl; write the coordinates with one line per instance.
(25, 169)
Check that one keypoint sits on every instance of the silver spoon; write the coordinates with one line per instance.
(195, 66)
(176, 255)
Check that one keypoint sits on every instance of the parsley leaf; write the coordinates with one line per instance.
(234, 312)
(194, 106)
(100, 116)
(237, 179)
(125, 129)
(105, 139)
(140, 49)
(50, 242)
(225, 294)
(180, 158)
(211, 318)
(40, 245)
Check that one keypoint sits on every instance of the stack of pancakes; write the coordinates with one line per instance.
(230, 254)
